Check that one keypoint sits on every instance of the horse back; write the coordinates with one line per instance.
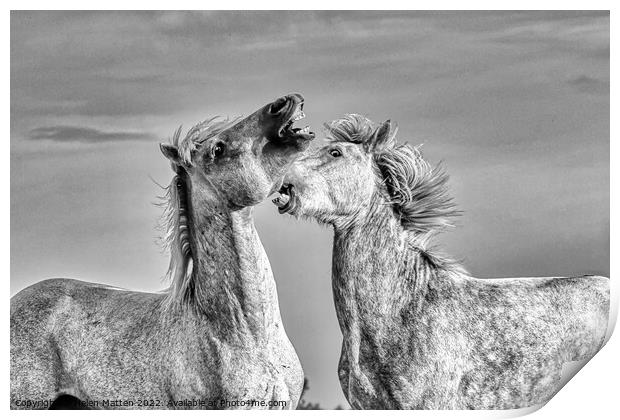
(510, 338)
(52, 298)
(76, 329)
(35, 309)
(571, 312)
(586, 301)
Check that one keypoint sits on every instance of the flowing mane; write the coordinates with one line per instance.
(417, 191)
(175, 223)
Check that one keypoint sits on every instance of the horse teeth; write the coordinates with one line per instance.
(299, 114)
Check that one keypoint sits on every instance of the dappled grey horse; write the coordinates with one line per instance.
(215, 338)
(418, 331)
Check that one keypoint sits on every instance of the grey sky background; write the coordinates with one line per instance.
(516, 104)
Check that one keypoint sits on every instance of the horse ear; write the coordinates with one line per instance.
(171, 152)
(382, 137)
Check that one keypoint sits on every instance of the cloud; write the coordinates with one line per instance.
(68, 133)
(589, 84)
(163, 64)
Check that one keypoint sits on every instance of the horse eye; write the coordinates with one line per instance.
(335, 153)
(218, 150)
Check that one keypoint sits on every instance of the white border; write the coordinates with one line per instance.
(593, 393)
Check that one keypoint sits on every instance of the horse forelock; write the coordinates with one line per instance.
(198, 134)
(352, 128)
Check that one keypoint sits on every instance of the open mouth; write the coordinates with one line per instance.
(286, 202)
(289, 130)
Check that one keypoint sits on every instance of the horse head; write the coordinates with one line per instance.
(360, 164)
(240, 162)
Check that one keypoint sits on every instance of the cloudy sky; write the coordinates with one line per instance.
(516, 104)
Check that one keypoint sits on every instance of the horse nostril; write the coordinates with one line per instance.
(277, 106)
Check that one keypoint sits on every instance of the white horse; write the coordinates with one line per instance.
(215, 339)
(418, 331)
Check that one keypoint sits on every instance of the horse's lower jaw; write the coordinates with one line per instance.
(287, 208)
(288, 132)
(287, 201)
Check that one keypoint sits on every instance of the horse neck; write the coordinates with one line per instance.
(234, 286)
(373, 268)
